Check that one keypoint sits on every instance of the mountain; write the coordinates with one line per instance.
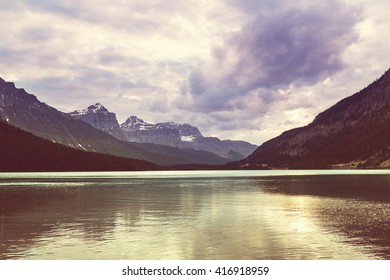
(99, 117)
(183, 136)
(137, 130)
(229, 149)
(23, 151)
(354, 133)
(25, 111)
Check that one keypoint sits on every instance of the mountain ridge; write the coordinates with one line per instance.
(25, 111)
(22, 151)
(353, 133)
(184, 136)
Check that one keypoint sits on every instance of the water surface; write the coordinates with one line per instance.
(196, 215)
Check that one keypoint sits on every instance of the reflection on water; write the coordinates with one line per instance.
(353, 206)
(230, 215)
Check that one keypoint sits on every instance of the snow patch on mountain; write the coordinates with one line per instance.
(172, 134)
(97, 108)
(135, 123)
(186, 131)
(190, 138)
(183, 136)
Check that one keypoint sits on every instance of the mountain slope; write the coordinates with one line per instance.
(25, 111)
(175, 156)
(354, 133)
(23, 151)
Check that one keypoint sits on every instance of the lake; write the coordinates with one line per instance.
(198, 215)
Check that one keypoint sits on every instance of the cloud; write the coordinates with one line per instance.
(245, 69)
(135, 16)
(293, 46)
(97, 50)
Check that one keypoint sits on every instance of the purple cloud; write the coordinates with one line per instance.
(289, 47)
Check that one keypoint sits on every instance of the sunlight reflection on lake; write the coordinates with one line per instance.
(195, 215)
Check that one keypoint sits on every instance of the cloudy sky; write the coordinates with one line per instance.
(238, 69)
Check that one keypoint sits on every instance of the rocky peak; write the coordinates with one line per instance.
(14, 101)
(133, 121)
(96, 108)
(188, 130)
(9, 89)
(184, 129)
(99, 117)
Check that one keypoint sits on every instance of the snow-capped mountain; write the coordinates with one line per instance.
(172, 134)
(97, 108)
(177, 132)
(23, 110)
(183, 136)
(137, 130)
(99, 117)
(186, 131)
(135, 123)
